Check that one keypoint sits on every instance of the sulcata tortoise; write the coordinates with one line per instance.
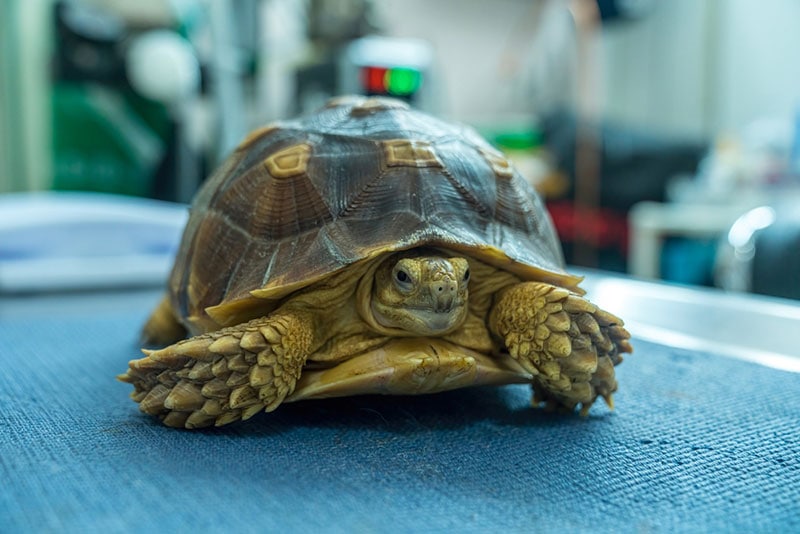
(368, 248)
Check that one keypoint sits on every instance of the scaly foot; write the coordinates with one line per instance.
(223, 376)
(565, 341)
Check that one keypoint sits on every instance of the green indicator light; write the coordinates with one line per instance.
(402, 82)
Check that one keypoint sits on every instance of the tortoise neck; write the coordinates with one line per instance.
(364, 300)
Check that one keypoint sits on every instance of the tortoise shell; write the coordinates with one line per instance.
(299, 200)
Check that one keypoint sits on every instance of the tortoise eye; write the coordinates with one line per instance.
(466, 275)
(402, 276)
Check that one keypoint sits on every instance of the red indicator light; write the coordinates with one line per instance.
(374, 79)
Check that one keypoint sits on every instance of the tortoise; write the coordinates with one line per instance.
(368, 248)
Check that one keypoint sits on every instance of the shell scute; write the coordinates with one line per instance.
(289, 162)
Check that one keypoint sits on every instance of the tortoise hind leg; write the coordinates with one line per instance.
(220, 377)
(565, 341)
(163, 327)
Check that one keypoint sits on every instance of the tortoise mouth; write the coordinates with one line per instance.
(409, 366)
(425, 320)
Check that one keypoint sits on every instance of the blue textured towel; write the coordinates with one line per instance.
(698, 442)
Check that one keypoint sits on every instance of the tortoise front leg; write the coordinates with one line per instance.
(565, 341)
(220, 377)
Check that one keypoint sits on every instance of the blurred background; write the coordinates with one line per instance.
(664, 136)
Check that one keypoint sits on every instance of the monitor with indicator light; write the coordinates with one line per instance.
(385, 66)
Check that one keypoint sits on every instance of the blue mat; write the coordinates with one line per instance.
(698, 442)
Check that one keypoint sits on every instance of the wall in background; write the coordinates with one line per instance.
(658, 71)
(6, 166)
(758, 71)
(488, 52)
(701, 67)
(690, 67)
(25, 160)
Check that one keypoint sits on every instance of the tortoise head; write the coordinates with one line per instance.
(419, 293)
